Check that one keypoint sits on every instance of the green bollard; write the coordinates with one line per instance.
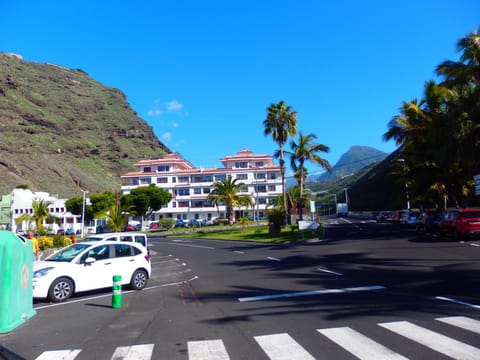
(117, 292)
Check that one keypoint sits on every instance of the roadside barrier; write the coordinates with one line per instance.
(117, 292)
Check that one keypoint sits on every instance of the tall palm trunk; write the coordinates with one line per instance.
(282, 171)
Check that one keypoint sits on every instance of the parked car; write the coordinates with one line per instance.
(69, 232)
(137, 227)
(153, 226)
(461, 223)
(409, 218)
(90, 265)
(385, 216)
(129, 227)
(181, 223)
(133, 237)
(429, 221)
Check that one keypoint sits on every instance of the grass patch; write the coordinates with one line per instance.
(255, 234)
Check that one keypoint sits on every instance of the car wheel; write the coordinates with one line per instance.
(139, 280)
(60, 290)
(456, 235)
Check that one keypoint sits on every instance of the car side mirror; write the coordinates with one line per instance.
(89, 261)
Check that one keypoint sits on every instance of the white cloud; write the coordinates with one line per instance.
(154, 112)
(175, 125)
(167, 136)
(174, 105)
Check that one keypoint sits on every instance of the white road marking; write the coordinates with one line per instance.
(359, 345)
(433, 340)
(272, 258)
(59, 355)
(282, 347)
(310, 293)
(135, 352)
(195, 246)
(329, 271)
(458, 302)
(462, 322)
(239, 252)
(207, 350)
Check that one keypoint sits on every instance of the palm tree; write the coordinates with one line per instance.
(225, 192)
(117, 217)
(467, 70)
(306, 150)
(281, 123)
(39, 215)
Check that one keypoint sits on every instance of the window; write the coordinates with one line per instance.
(197, 191)
(260, 188)
(140, 239)
(134, 181)
(122, 250)
(261, 176)
(162, 180)
(206, 190)
(183, 191)
(242, 176)
(126, 238)
(220, 177)
(174, 179)
(243, 189)
(183, 179)
(163, 168)
(271, 187)
(262, 201)
(101, 252)
(259, 163)
(145, 181)
(147, 169)
(272, 176)
(241, 164)
(183, 204)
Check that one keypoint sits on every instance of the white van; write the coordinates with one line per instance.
(135, 237)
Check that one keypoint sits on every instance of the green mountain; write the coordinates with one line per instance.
(355, 159)
(60, 130)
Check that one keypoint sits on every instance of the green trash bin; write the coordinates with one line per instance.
(16, 273)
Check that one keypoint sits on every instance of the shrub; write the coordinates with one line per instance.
(45, 242)
(220, 221)
(167, 223)
(276, 219)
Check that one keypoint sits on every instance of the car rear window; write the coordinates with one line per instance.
(471, 214)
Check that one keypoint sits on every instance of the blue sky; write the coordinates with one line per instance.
(202, 73)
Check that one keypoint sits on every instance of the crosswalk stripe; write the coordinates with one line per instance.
(462, 322)
(358, 344)
(59, 355)
(433, 340)
(282, 347)
(135, 352)
(207, 350)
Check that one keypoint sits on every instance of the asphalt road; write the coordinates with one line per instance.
(327, 299)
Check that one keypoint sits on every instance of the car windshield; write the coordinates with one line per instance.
(94, 238)
(68, 254)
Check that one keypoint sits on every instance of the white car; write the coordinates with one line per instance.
(90, 265)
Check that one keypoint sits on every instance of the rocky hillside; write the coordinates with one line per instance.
(61, 131)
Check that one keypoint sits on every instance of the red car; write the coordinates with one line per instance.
(461, 223)
(128, 228)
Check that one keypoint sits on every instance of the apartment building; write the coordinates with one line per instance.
(190, 186)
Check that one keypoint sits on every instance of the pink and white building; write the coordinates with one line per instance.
(190, 186)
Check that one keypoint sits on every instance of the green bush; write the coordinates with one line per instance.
(166, 223)
(220, 221)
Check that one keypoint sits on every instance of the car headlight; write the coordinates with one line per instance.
(42, 272)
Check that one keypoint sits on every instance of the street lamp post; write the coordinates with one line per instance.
(83, 210)
(406, 185)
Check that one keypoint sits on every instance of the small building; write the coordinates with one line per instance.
(190, 186)
(21, 203)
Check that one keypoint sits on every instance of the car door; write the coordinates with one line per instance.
(98, 274)
(125, 262)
